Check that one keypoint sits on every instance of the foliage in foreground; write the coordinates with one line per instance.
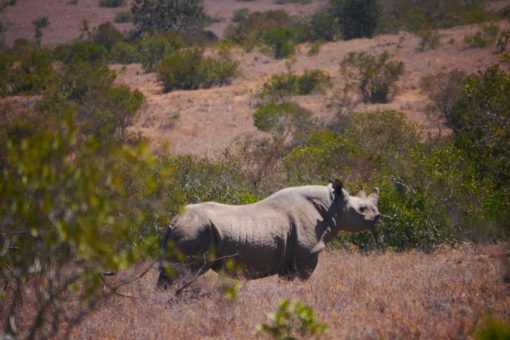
(292, 319)
(69, 213)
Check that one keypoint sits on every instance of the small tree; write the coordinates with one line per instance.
(375, 76)
(168, 15)
(39, 24)
(356, 18)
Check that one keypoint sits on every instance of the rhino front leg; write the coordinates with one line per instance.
(306, 265)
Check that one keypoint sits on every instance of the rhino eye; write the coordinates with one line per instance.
(362, 209)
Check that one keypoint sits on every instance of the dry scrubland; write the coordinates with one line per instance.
(393, 295)
(443, 294)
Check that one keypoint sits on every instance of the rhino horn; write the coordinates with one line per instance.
(374, 196)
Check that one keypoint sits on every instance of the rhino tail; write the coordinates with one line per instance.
(164, 280)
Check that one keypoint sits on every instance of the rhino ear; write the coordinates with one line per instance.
(374, 196)
(361, 193)
(338, 186)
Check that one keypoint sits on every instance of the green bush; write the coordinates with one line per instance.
(188, 69)
(281, 40)
(107, 35)
(111, 3)
(481, 124)
(356, 18)
(288, 84)
(292, 319)
(98, 106)
(38, 25)
(429, 40)
(25, 69)
(153, 48)
(183, 16)
(81, 51)
(285, 120)
(240, 14)
(202, 180)
(123, 17)
(374, 76)
(248, 32)
(124, 53)
(323, 25)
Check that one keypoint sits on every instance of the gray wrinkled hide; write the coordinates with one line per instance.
(282, 234)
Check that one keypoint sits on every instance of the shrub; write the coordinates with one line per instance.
(429, 40)
(444, 90)
(81, 51)
(111, 3)
(38, 25)
(98, 106)
(240, 14)
(323, 25)
(481, 124)
(123, 17)
(202, 180)
(107, 35)
(25, 69)
(291, 319)
(168, 15)
(481, 39)
(189, 69)
(281, 40)
(249, 32)
(153, 48)
(375, 76)
(124, 53)
(356, 18)
(285, 120)
(288, 84)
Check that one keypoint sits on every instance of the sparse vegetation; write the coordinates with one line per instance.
(38, 25)
(429, 40)
(483, 38)
(374, 76)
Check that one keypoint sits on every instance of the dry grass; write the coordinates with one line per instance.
(393, 295)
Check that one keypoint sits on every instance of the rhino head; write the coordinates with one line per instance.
(359, 212)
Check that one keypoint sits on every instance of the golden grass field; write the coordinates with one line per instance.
(409, 295)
